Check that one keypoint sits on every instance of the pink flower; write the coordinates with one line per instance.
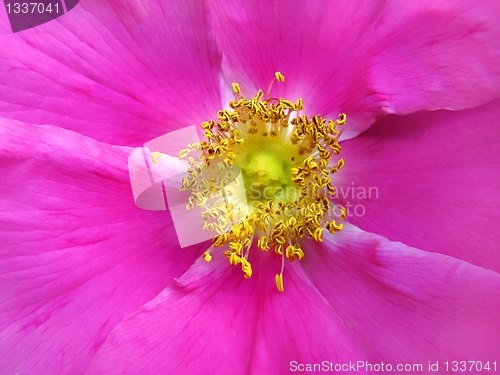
(86, 276)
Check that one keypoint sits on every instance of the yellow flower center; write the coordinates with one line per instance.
(283, 159)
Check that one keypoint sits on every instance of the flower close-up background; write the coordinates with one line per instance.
(92, 284)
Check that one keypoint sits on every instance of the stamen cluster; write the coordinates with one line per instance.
(279, 225)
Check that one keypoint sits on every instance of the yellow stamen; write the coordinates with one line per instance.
(333, 227)
(317, 234)
(279, 281)
(279, 77)
(246, 268)
(236, 88)
(183, 153)
(207, 257)
(156, 155)
(343, 213)
(298, 251)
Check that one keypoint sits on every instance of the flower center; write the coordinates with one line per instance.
(267, 174)
(283, 159)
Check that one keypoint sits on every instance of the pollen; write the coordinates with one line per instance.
(264, 172)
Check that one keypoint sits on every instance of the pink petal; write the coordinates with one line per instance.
(429, 180)
(407, 306)
(446, 55)
(76, 254)
(363, 58)
(120, 72)
(215, 321)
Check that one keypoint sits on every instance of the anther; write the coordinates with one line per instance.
(156, 155)
(183, 153)
(279, 281)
